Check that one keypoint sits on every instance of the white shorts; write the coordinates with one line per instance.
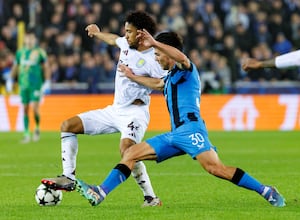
(131, 121)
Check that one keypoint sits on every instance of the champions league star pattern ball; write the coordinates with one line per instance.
(45, 196)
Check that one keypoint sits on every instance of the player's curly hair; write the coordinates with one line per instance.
(141, 20)
(170, 38)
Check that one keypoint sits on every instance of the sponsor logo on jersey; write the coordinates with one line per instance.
(141, 62)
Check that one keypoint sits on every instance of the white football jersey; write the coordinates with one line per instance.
(141, 63)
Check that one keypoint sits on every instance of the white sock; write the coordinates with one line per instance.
(69, 149)
(140, 175)
(264, 193)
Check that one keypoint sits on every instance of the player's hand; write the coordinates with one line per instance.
(92, 29)
(250, 64)
(46, 87)
(9, 84)
(145, 38)
(126, 71)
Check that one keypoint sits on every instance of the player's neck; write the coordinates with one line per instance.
(142, 48)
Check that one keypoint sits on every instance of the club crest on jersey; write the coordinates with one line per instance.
(141, 62)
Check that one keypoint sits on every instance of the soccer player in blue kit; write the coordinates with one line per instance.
(188, 135)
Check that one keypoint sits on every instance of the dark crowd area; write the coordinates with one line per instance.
(217, 35)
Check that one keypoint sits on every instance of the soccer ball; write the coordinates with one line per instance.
(45, 196)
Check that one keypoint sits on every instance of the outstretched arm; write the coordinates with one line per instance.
(251, 64)
(287, 60)
(152, 83)
(94, 31)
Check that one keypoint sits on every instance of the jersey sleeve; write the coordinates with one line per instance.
(121, 42)
(156, 71)
(182, 74)
(154, 68)
(288, 60)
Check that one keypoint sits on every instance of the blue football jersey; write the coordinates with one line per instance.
(182, 88)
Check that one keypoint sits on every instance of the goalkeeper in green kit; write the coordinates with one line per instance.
(33, 74)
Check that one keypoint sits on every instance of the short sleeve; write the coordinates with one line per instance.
(121, 42)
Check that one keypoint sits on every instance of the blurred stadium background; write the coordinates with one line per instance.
(217, 35)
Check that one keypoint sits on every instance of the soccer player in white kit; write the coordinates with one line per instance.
(129, 113)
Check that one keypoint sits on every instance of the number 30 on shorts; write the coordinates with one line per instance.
(197, 140)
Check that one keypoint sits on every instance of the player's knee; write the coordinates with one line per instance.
(65, 126)
(125, 144)
(73, 125)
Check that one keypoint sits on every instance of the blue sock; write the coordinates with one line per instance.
(118, 175)
(251, 183)
(243, 179)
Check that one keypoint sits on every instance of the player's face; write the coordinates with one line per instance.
(30, 40)
(162, 59)
(130, 35)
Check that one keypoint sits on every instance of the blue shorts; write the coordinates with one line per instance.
(190, 138)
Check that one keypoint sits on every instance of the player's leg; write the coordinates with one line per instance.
(92, 123)
(26, 137)
(210, 161)
(133, 126)
(121, 172)
(69, 149)
(25, 99)
(69, 145)
(141, 177)
(158, 148)
(36, 113)
(35, 97)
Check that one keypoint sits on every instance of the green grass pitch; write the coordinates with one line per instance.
(186, 190)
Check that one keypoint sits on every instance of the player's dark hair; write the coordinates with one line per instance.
(170, 38)
(141, 20)
(30, 31)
